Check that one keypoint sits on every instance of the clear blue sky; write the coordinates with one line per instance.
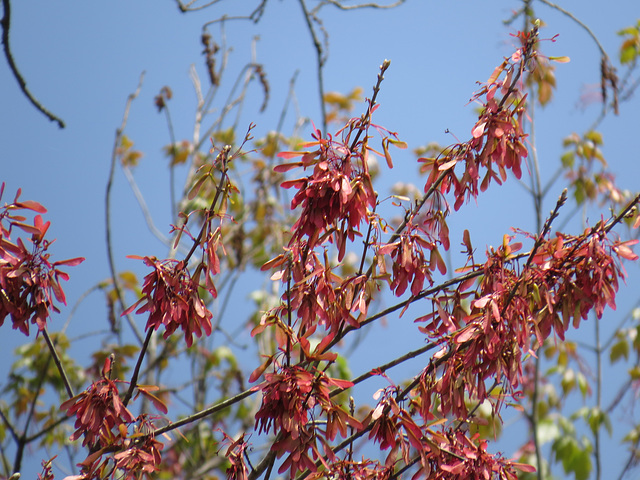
(82, 59)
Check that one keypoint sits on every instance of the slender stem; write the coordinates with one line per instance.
(582, 24)
(618, 218)
(596, 449)
(339, 5)
(366, 118)
(114, 156)
(6, 26)
(204, 413)
(7, 424)
(289, 321)
(136, 370)
(545, 230)
(47, 429)
(320, 61)
(222, 157)
(56, 360)
(173, 148)
(143, 206)
(383, 368)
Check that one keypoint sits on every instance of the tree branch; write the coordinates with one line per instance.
(320, 61)
(114, 156)
(6, 25)
(56, 359)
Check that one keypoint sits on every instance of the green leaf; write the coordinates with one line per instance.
(594, 136)
(583, 384)
(568, 159)
(581, 465)
(562, 59)
(568, 381)
(634, 373)
(628, 52)
(548, 430)
(633, 436)
(619, 349)
(575, 456)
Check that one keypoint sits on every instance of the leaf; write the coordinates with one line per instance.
(159, 404)
(72, 262)
(568, 159)
(27, 228)
(563, 59)
(31, 205)
(387, 155)
(634, 373)
(618, 350)
(287, 155)
(478, 130)
(257, 373)
(523, 467)
(594, 136)
(196, 187)
(285, 167)
(496, 73)
(398, 143)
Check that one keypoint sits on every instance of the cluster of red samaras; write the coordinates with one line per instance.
(510, 308)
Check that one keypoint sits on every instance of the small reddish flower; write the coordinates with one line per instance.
(338, 193)
(47, 474)
(235, 454)
(139, 459)
(171, 296)
(98, 410)
(291, 398)
(29, 281)
(410, 266)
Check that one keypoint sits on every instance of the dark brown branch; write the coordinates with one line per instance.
(136, 370)
(204, 413)
(6, 25)
(6, 422)
(56, 360)
(545, 230)
(387, 366)
(366, 118)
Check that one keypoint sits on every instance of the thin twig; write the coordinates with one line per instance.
(337, 4)
(320, 59)
(597, 452)
(254, 16)
(538, 194)
(582, 24)
(7, 424)
(148, 218)
(188, 8)
(114, 156)
(540, 238)
(383, 368)
(204, 413)
(6, 25)
(56, 359)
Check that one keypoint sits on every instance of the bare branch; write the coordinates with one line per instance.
(320, 58)
(579, 22)
(114, 156)
(6, 25)
(337, 4)
(56, 359)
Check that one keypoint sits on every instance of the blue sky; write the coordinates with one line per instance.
(82, 59)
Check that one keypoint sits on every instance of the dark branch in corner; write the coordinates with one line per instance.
(6, 24)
